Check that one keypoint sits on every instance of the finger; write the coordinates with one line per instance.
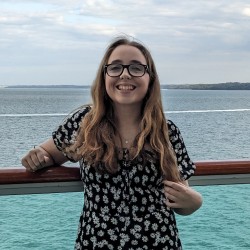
(38, 157)
(26, 164)
(172, 204)
(171, 197)
(46, 159)
(167, 183)
(171, 191)
(170, 183)
(32, 165)
(174, 185)
(32, 161)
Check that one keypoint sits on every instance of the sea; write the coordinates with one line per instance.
(213, 123)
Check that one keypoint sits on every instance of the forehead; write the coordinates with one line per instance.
(127, 54)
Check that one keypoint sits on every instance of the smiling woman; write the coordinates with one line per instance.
(133, 162)
(127, 88)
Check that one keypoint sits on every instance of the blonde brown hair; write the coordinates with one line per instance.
(95, 140)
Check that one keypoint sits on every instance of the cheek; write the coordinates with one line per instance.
(146, 85)
(109, 82)
(109, 85)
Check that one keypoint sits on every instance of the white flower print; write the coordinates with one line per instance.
(114, 221)
(97, 198)
(154, 226)
(124, 210)
(144, 201)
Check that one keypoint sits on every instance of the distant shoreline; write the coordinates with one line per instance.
(215, 86)
(46, 86)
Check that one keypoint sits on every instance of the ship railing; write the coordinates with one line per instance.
(60, 179)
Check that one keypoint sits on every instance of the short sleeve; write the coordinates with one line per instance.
(65, 134)
(185, 164)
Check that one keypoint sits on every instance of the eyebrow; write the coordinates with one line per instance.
(120, 62)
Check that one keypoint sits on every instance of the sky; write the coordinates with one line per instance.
(62, 42)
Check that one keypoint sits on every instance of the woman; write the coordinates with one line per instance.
(133, 162)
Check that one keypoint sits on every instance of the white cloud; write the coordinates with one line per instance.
(246, 11)
(175, 31)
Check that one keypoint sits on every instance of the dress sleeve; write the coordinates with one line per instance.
(65, 134)
(185, 164)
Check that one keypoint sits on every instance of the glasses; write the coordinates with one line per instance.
(115, 70)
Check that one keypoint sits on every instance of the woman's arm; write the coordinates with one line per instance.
(182, 198)
(43, 155)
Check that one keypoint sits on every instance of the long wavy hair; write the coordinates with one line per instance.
(96, 136)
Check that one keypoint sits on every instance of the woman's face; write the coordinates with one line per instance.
(126, 89)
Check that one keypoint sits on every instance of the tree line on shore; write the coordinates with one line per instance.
(215, 86)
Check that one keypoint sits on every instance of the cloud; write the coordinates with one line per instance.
(246, 11)
(75, 34)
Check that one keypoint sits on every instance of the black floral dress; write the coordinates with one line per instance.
(126, 210)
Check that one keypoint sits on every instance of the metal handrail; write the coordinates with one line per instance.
(17, 180)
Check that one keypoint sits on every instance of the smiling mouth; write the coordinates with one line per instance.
(125, 87)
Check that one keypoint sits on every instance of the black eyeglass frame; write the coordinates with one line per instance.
(126, 66)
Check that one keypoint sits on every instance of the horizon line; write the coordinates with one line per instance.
(165, 112)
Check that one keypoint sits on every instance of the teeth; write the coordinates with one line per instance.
(126, 87)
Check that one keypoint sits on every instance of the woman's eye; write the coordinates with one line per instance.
(136, 68)
(115, 68)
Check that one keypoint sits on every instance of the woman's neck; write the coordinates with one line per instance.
(127, 116)
(127, 121)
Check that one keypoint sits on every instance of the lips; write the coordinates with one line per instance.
(126, 87)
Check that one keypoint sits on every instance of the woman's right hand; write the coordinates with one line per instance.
(37, 158)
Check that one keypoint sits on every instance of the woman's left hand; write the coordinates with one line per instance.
(182, 198)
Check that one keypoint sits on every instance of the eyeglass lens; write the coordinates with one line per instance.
(133, 69)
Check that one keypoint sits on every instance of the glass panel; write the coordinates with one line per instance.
(223, 222)
(45, 222)
(40, 222)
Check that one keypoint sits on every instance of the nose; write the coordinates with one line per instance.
(125, 74)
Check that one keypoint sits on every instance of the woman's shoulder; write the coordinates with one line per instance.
(71, 122)
(77, 114)
(66, 133)
(171, 126)
(174, 132)
(80, 111)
